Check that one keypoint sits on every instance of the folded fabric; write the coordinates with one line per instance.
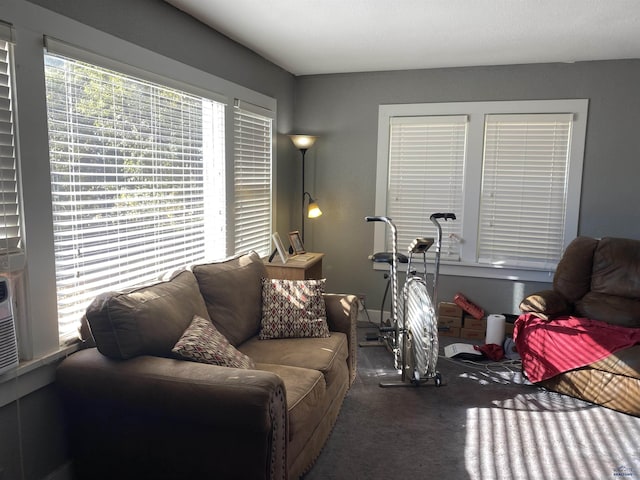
(491, 350)
(548, 348)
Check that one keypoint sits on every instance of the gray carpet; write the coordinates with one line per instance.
(486, 422)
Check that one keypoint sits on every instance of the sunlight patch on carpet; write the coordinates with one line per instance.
(566, 438)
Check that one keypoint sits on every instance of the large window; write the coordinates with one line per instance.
(9, 212)
(138, 181)
(252, 179)
(510, 171)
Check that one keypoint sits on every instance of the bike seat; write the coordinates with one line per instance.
(387, 257)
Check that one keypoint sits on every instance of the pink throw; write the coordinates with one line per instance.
(548, 348)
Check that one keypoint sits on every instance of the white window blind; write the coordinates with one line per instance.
(129, 164)
(517, 184)
(524, 189)
(9, 212)
(426, 172)
(252, 179)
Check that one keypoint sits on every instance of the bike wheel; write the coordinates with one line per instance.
(420, 320)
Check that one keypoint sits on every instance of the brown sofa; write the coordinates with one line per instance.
(597, 279)
(135, 411)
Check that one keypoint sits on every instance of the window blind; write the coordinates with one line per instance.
(9, 211)
(524, 189)
(426, 168)
(252, 179)
(129, 159)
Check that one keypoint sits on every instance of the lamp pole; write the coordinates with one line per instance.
(303, 151)
(302, 143)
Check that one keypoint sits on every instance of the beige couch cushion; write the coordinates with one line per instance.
(313, 353)
(306, 397)
(147, 320)
(232, 292)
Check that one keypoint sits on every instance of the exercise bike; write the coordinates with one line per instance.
(413, 332)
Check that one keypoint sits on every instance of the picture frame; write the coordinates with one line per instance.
(282, 251)
(296, 242)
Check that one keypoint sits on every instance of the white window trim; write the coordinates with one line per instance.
(476, 112)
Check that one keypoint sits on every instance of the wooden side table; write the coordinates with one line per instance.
(305, 266)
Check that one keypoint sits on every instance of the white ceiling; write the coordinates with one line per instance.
(333, 36)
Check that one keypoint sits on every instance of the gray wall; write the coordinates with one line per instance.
(343, 111)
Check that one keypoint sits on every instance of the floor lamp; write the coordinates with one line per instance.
(303, 143)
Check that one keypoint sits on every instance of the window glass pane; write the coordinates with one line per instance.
(426, 167)
(133, 177)
(252, 181)
(9, 212)
(524, 189)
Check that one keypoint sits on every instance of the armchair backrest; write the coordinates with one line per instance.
(573, 274)
(601, 279)
(616, 268)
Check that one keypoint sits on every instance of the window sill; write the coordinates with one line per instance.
(482, 271)
(12, 262)
(32, 375)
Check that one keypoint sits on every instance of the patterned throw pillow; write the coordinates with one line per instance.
(202, 342)
(293, 309)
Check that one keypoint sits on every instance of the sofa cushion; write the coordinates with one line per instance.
(306, 394)
(202, 342)
(146, 320)
(232, 291)
(573, 274)
(616, 268)
(293, 309)
(610, 308)
(546, 304)
(313, 353)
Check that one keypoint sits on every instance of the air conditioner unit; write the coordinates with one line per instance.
(8, 344)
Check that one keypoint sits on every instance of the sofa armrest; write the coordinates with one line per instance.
(546, 304)
(120, 408)
(342, 316)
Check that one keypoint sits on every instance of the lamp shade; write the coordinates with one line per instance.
(313, 211)
(303, 141)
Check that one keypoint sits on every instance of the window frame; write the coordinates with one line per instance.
(12, 258)
(146, 154)
(476, 112)
(198, 83)
(251, 161)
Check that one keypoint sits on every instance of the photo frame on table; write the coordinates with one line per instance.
(296, 242)
(282, 251)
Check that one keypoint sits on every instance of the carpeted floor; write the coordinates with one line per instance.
(486, 422)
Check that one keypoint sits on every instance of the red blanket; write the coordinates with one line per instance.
(548, 348)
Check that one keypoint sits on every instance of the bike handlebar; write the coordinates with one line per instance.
(377, 219)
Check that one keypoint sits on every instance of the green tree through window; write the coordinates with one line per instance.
(129, 160)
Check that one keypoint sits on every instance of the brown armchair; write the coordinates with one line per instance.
(597, 279)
